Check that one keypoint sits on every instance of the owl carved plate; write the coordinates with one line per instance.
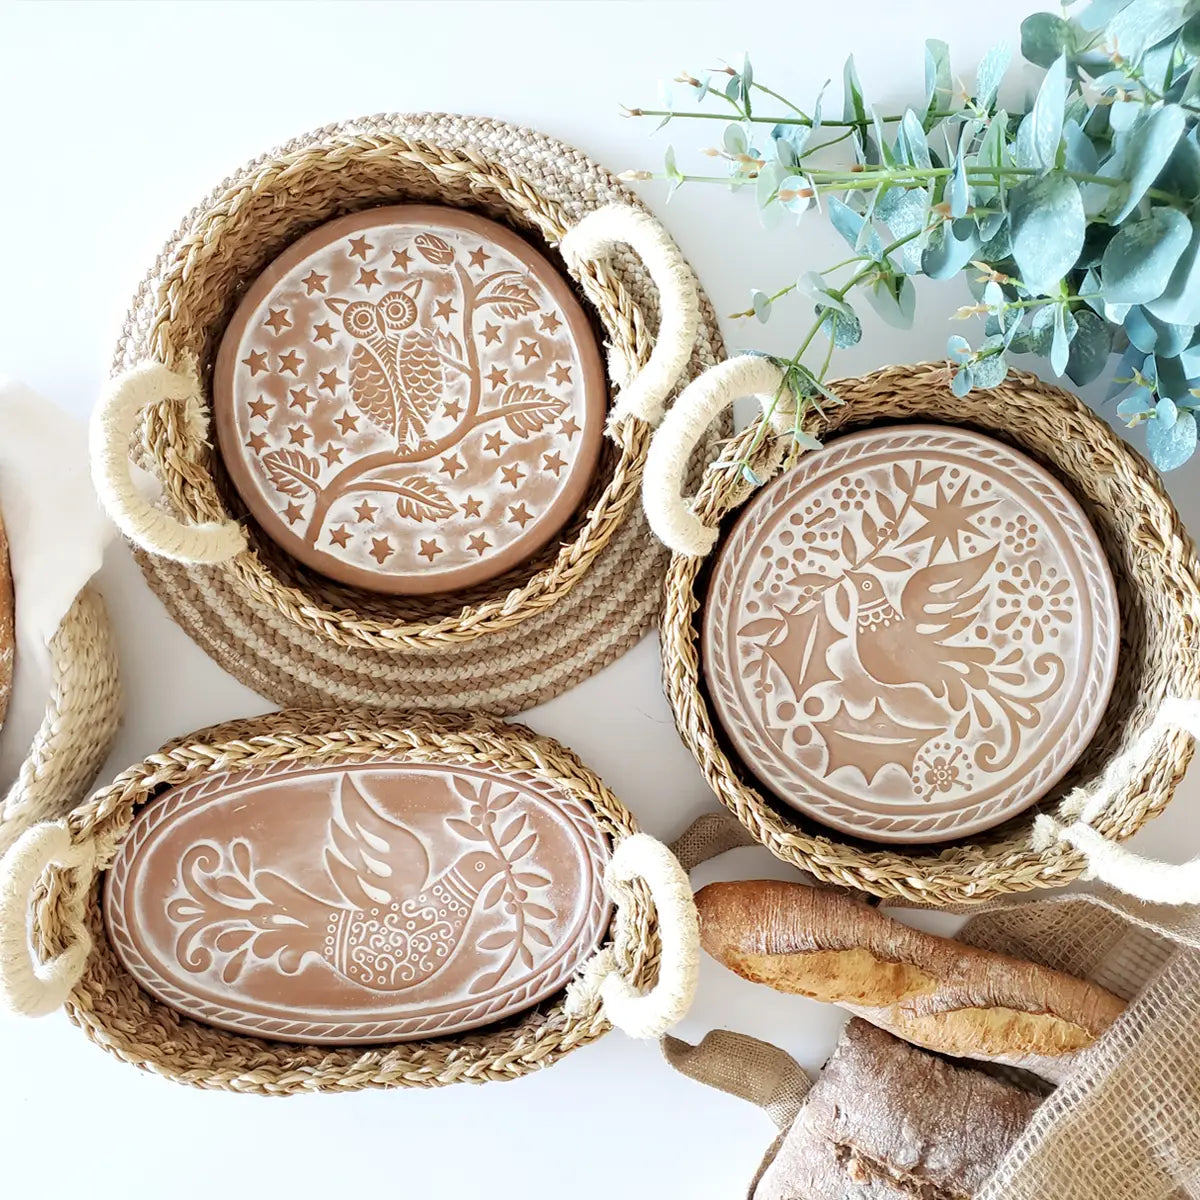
(410, 400)
(912, 634)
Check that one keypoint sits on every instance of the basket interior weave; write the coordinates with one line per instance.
(118, 1015)
(1155, 570)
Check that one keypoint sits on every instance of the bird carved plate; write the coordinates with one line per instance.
(359, 901)
(410, 400)
(911, 635)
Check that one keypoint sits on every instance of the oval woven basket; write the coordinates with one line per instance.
(302, 639)
(1155, 569)
(110, 1007)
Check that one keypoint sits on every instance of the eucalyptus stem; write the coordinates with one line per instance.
(853, 123)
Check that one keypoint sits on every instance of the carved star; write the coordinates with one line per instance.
(452, 409)
(291, 361)
(561, 374)
(293, 513)
(478, 257)
(256, 361)
(347, 423)
(323, 332)
(555, 462)
(529, 351)
(550, 322)
(381, 548)
(945, 519)
(332, 454)
(569, 426)
(479, 543)
(512, 474)
(360, 248)
(366, 511)
(401, 259)
(298, 435)
(314, 282)
(330, 380)
(257, 443)
(260, 407)
(452, 464)
(444, 309)
(497, 376)
(302, 398)
(491, 333)
(494, 443)
(367, 279)
(278, 321)
(518, 514)
(340, 536)
(429, 549)
(472, 507)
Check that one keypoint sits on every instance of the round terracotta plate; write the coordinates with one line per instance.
(911, 635)
(410, 400)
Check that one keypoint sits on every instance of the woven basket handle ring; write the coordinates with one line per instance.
(597, 237)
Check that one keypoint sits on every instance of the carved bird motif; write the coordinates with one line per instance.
(391, 927)
(912, 643)
(396, 371)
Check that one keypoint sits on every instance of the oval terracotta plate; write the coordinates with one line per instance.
(410, 399)
(357, 902)
(911, 635)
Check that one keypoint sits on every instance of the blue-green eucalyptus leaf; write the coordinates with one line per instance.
(760, 302)
(991, 155)
(1122, 377)
(1139, 261)
(1181, 175)
(1090, 348)
(853, 108)
(1046, 224)
(812, 285)
(747, 73)
(1170, 340)
(857, 231)
(796, 194)
(907, 211)
(961, 383)
(894, 298)
(1041, 330)
(796, 136)
(1044, 37)
(879, 140)
(989, 370)
(817, 105)
(959, 189)
(1166, 412)
(1060, 343)
(1146, 156)
(990, 74)
(990, 223)
(1081, 155)
(843, 327)
(947, 254)
(1189, 36)
(1171, 376)
(1143, 23)
(1172, 446)
(1124, 115)
(1137, 404)
(1024, 148)
(1156, 65)
(733, 89)
(1089, 292)
(1139, 331)
(912, 135)
(1179, 302)
(1048, 114)
(1100, 12)
(734, 139)
(958, 349)
(938, 84)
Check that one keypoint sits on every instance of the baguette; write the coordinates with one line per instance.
(929, 990)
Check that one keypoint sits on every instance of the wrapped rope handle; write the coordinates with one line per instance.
(150, 383)
(601, 984)
(698, 405)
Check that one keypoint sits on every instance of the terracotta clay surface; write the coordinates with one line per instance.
(410, 400)
(911, 635)
(8, 635)
(357, 902)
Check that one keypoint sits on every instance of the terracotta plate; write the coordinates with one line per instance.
(359, 901)
(911, 635)
(410, 400)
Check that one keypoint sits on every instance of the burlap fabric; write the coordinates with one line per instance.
(298, 638)
(1155, 568)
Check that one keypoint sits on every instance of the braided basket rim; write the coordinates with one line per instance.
(1155, 567)
(114, 1012)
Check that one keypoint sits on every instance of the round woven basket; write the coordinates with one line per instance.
(1155, 569)
(118, 1015)
(290, 633)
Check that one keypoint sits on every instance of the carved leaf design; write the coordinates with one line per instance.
(889, 562)
(419, 498)
(527, 409)
(522, 848)
(761, 626)
(803, 653)
(493, 892)
(497, 941)
(292, 472)
(448, 345)
(511, 299)
(871, 742)
(465, 830)
(433, 249)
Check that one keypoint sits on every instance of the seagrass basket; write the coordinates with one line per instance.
(68, 932)
(296, 636)
(1154, 565)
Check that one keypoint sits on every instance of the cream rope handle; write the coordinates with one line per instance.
(1145, 878)
(595, 237)
(112, 426)
(29, 986)
(649, 1014)
(699, 404)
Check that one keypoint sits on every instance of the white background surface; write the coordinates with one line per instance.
(117, 118)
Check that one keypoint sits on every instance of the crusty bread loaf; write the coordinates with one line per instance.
(886, 1121)
(7, 629)
(929, 990)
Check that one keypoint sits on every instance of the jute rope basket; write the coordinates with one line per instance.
(1156, 572)
(302, 639)
(58, 885)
